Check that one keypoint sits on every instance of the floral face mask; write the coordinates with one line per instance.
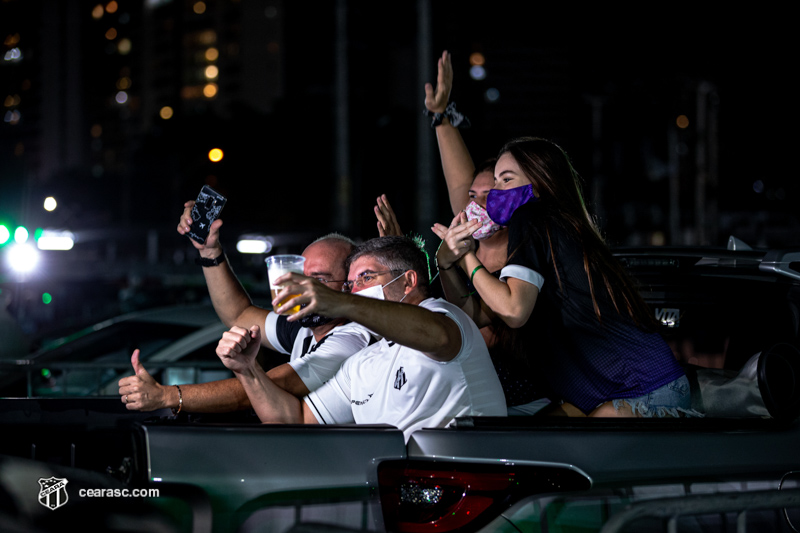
(488, 227)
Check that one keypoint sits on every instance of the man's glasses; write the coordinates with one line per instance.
(323, 280)
(364, 278)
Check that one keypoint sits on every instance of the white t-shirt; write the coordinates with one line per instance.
(392, 384)
(315, 362)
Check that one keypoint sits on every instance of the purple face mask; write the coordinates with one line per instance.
(501, 204)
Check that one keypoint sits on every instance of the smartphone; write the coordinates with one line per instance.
(206, 210)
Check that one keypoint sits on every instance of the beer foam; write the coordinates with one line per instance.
(276, 272)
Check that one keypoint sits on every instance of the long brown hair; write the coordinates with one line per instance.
(558, 188)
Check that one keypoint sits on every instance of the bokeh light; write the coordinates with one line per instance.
(20, 235)
(477, 72)
(23, 258)
(210, 90)
(682, 122)
(215, 155)
(50, 204)
(166, 112)
(492, 95)
(477, 58)
(124, 46)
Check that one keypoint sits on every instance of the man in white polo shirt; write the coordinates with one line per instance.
(316, 346)
(431, 365)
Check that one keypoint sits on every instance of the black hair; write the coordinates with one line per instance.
(395, 253)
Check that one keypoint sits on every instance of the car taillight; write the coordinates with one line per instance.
(423, 496)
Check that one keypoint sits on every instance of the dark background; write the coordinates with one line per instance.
(302, 159)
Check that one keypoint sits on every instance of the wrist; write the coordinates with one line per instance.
(442, 265)
(169, 397)
(211, 253)
(468, 261)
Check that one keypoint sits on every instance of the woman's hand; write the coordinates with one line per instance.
(387, 221)
(436, 101)
(457, 239)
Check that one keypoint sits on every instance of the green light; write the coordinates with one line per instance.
(4, 234)
(47, 298)
(45, 373)
(21, 234)
(38, 233)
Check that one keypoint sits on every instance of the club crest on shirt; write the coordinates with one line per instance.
(400, 379)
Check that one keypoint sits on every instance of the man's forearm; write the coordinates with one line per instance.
(229, 298)
(222, 396)
(410, 325)
(272, 404)
(228, 395)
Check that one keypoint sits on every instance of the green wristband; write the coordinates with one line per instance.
(472, 277)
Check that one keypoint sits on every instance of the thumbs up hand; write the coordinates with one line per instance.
(141, 392)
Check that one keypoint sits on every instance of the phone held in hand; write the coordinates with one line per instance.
(206, 210)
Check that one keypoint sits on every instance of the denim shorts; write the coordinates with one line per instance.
(671, 400)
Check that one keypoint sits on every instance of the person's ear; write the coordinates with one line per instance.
(411, 280)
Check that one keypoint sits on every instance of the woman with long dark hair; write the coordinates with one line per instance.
(581, 319)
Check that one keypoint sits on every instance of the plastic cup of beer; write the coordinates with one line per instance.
(277, 266)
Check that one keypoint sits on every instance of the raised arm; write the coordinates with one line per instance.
(433, 334)
(273, 405)
(456, 162)
(231, 302)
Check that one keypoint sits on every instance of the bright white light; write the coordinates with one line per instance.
(4, 234)
(477, 72)
(121, 97)
(20, 235)
(50, 204)
(56, 240)
(22, 258)
(254, 244)
(13, 55)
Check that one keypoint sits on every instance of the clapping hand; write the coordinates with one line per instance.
(456, 240)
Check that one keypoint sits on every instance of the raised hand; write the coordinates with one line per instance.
(185, 226)
(141, 392)
(387, 221)
(456, 240)
(436, 101)
(303, 290)
(238, 348)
